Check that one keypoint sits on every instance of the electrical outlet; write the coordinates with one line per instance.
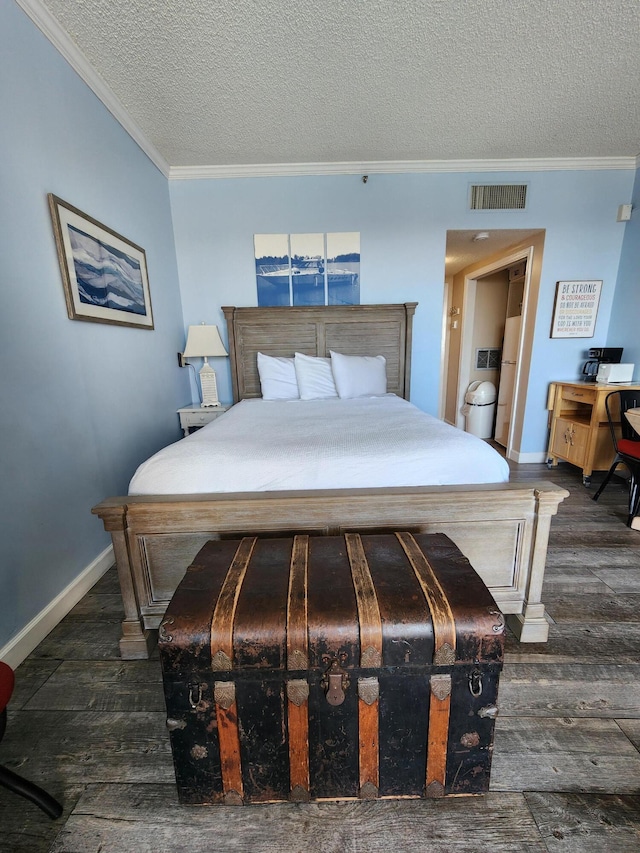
(181, 360)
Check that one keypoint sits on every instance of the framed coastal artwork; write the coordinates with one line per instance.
(104, 275)
(308, 269)
(575, 309)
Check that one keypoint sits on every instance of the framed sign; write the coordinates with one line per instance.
(104, 275)
(575, 309)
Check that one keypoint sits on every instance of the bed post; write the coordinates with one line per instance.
(137, 641)
(410, 310)
(532, 625)
(229, 313)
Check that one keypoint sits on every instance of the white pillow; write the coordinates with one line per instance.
(359, 375)
(277, 378)
(315, 379)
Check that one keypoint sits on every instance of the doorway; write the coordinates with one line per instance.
(488, 280)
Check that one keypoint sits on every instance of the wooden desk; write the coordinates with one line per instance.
(579, 426)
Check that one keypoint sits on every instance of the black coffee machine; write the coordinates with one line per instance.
(598, 356)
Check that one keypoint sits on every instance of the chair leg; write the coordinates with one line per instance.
(610, 474)
(18, 785)
(634, 497)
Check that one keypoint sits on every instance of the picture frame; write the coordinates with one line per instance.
(307, 269)
(575, 309)
(104, 275)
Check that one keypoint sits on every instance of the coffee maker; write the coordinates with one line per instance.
(598, 356)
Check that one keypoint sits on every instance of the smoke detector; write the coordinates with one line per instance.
(481, 235)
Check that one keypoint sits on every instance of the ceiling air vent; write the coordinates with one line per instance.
(498, 196)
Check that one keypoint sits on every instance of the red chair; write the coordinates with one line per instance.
(627, 447)
(9, 779)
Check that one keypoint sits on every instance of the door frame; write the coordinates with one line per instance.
(466, 337)
(445, 339)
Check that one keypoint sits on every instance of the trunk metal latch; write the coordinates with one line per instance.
(334, 682)
(475, 683)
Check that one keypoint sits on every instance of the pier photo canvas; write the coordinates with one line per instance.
(104, 275)
(308, 269)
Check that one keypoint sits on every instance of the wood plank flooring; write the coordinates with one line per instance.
(566, 778)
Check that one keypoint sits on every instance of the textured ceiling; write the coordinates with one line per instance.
(267, 81)
(463, 250)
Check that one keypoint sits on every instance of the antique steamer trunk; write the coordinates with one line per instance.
(314, 668)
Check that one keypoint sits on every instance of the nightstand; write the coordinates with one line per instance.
(194, 416)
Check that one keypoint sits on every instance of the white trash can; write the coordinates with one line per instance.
(479, 408)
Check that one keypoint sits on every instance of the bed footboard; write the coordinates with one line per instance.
(503, 529)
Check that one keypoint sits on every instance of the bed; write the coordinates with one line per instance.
(178, 501)
(364, 442)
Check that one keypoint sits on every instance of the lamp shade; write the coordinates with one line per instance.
(203, 341)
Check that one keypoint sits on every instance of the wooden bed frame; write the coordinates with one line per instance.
(502, 528)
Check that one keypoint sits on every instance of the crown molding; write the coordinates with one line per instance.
(276, 170)
(51, 29)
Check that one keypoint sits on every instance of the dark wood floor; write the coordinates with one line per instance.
(566, 777)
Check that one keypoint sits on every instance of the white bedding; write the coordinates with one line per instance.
(261, 445)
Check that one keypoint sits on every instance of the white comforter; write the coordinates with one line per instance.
(262, 445)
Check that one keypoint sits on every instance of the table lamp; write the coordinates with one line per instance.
(205, 342)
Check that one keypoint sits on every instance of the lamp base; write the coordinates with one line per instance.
(209, 386)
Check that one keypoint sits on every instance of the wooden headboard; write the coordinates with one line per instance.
(350, 329)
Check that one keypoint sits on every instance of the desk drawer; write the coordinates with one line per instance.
(579, 395)
(198, 419)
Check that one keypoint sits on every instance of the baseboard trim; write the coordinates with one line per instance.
(25, 641)
(530, 458)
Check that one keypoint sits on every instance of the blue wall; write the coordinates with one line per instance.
(624, 329)
(403, 221)
(82, 403)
